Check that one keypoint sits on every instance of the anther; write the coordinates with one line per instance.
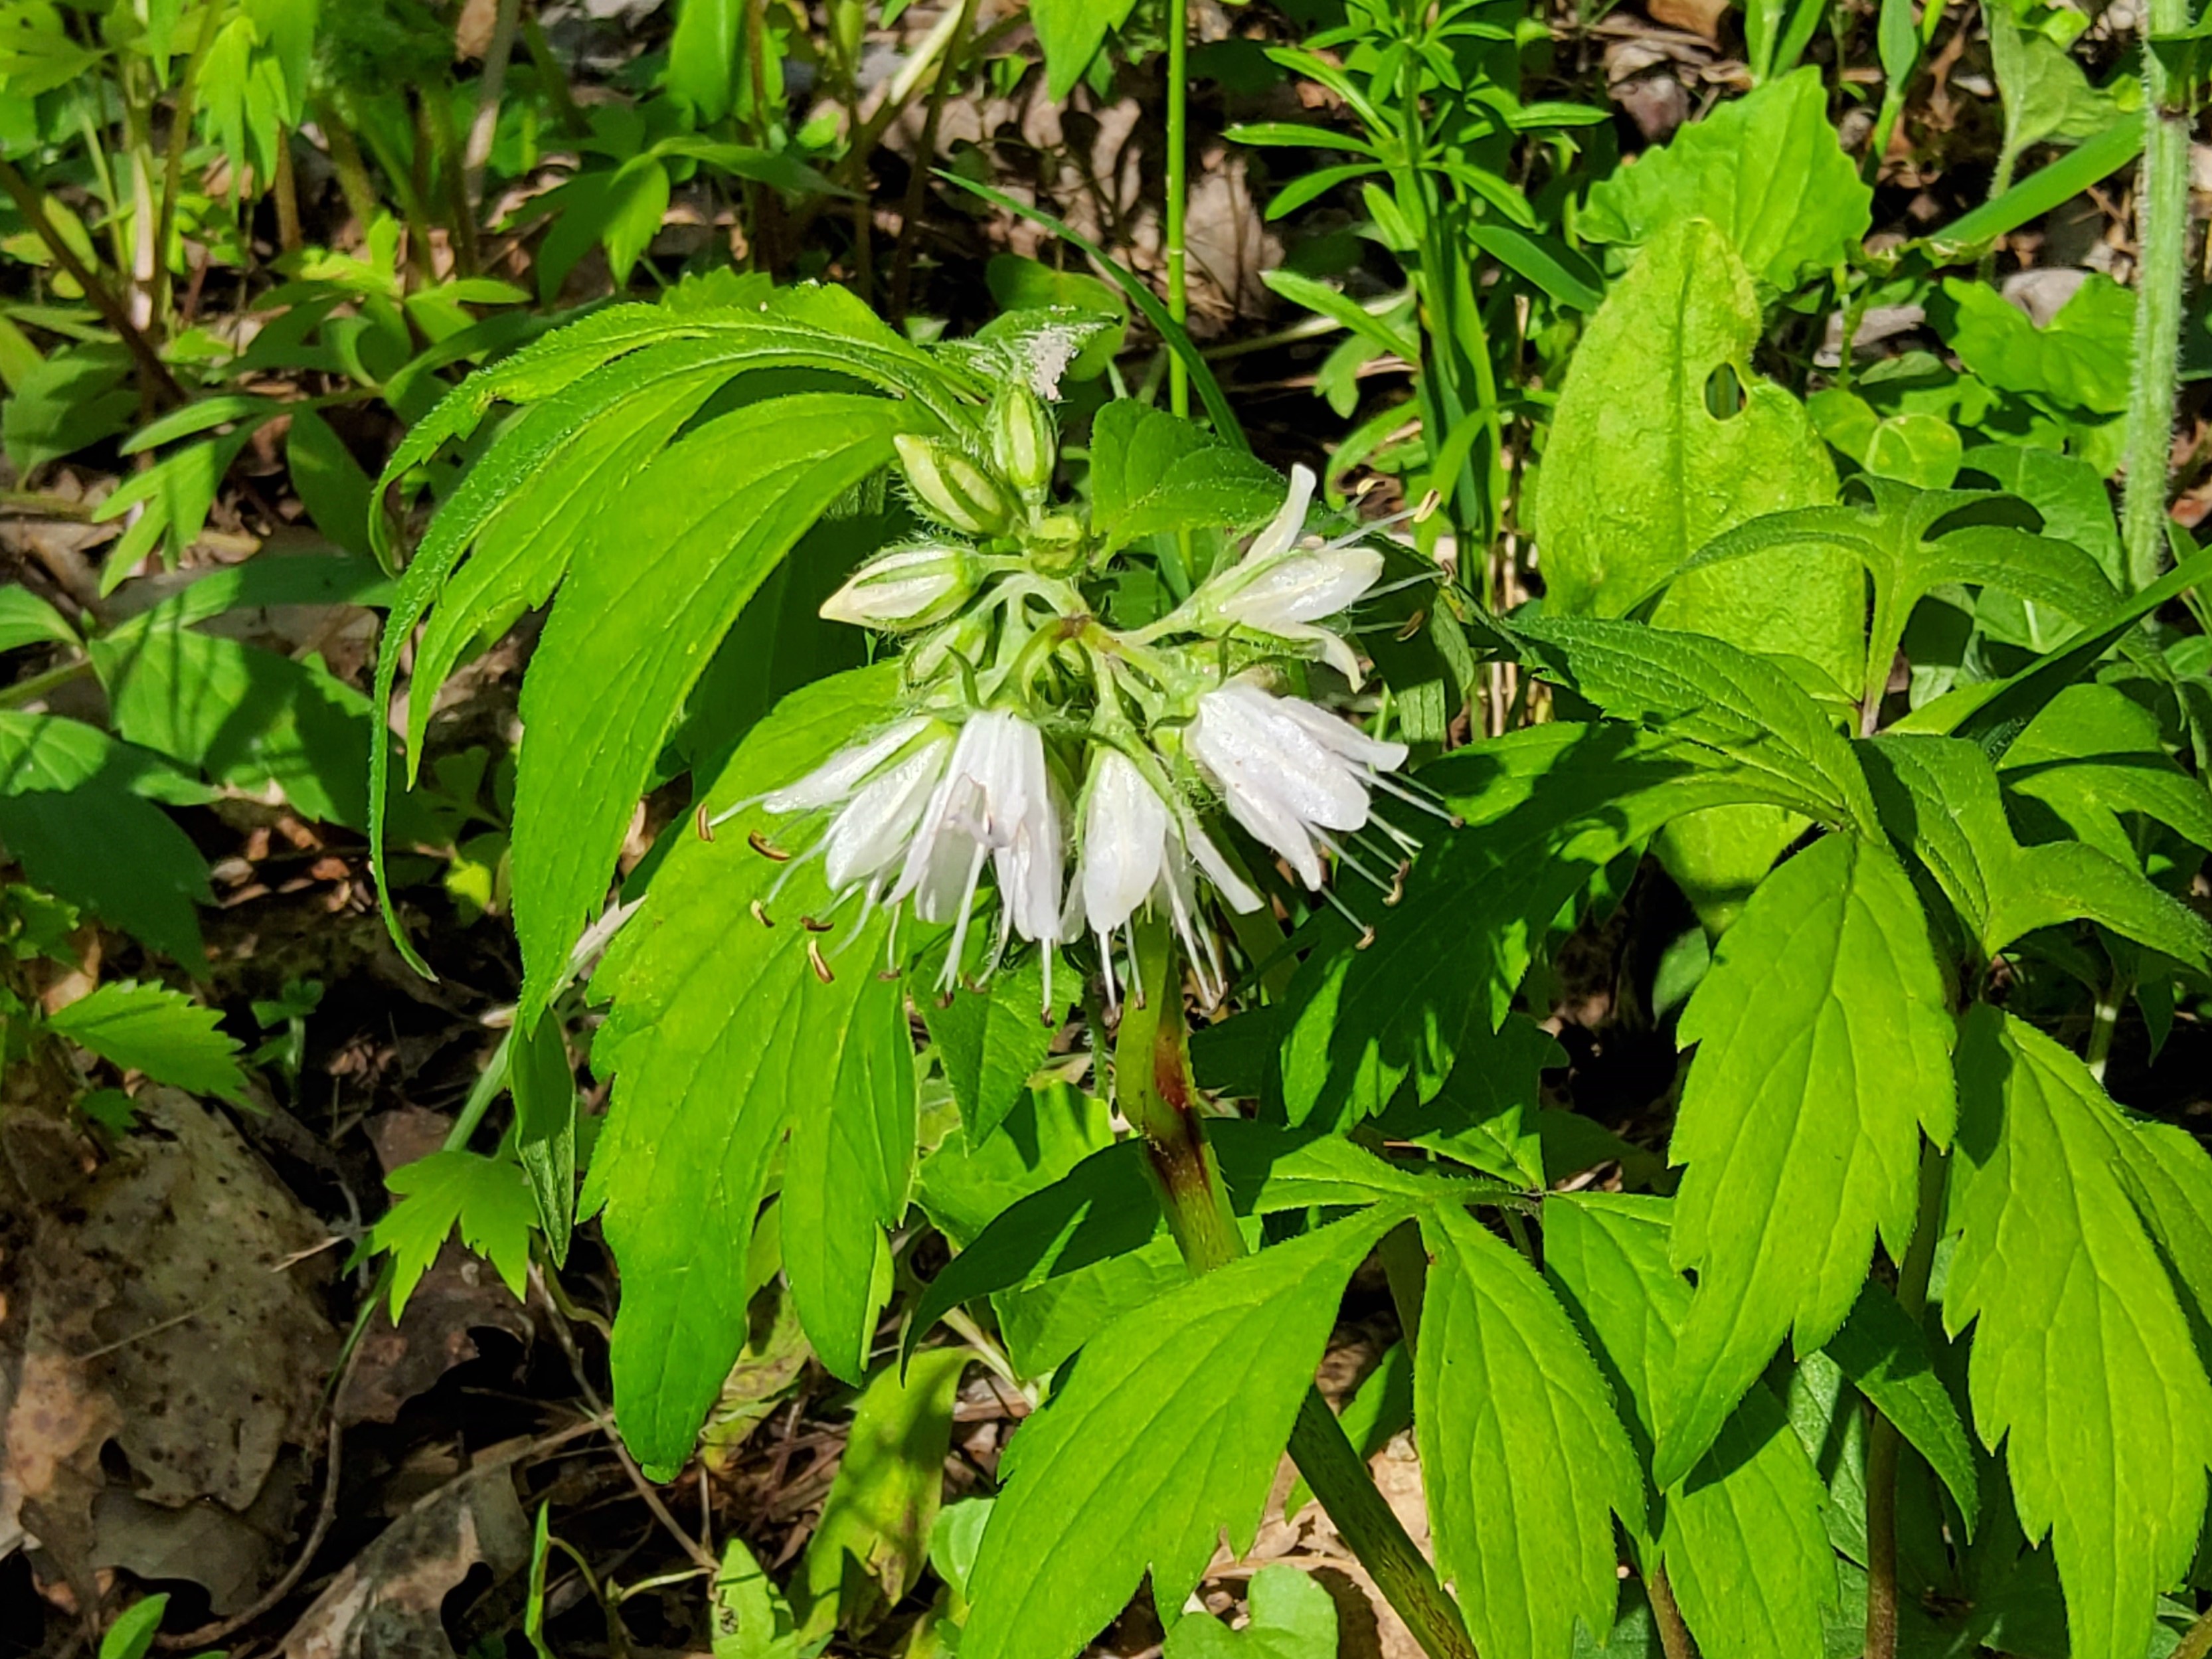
(814, 927)
(1412, 625)
(765, 847)
(760, 915)
(820, 967)
(704, 824)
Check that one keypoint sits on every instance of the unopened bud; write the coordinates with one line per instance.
(1023, 442)
(953, 488)
(907, 587)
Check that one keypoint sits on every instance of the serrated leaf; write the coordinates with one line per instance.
(1765, 170)
(156, 1030)
(1742, 1538)
(1291, 1617)
(1269, 1169)
(990, 1042)
(1823, 1038)
(486, 1198)
(1523, 1450)
(1168, 1434)
(845, 1180)
(1545, 810)
(2082, 1362)
(719, 1031)
(1152, 472)
(650, 596)
(1939, 796)
(2092, 753)
(1884, 1352)
(544, 1088)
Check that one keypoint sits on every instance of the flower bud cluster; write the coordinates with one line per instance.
(1080, 764)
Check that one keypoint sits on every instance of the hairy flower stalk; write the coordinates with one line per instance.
(1077, 765)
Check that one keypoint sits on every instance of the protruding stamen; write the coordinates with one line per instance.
(704, 824)
(767, 848)
(1417, 796)
(814, 960)
(760, 915)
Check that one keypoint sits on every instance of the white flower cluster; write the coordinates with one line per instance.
(1033, 730)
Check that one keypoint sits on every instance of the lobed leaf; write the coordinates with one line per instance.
(156, 1030)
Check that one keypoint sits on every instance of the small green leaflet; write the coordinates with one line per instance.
(487, 1198)
(751, 1621)
(1742, 1539)
(1292, 1617)
(721, 1031)
(1824, 1042)
(1168, 1434)
(1522, 1447)
(132, 1635)
(1545, 810)
(156, 1030)
(2082, 1360)
(990, 1042)
(1151, 473)
(1885, 1354)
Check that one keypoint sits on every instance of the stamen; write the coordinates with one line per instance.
(952, 957)
(814, 959)
(703, 824)
(1343, 855)
(814, 926)
(767, 848)
(1366, 931)
(1106, 961)
(1045, 1013)
(760, 915)
(1417, 796)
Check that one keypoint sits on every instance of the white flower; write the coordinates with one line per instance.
(1288, 772)
(994, 800)
(907, 587)
(1135, 847)
(1284, 589)
(843, 773)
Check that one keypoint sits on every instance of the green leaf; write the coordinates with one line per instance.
(1268, 1169)
(1292, 1617)
(750, 1619)
(990, 1042)
(77, 396)
(26, 619)
(1764, 170)
(132, 1635)
(1069, 33)
(651, 592)
(1884, 1352)
(2093, 753)
(1940, 798)
(2046, 188)
(702, 58)
(156, 1030)
(2066, 491)
(1824, 1041)
(487, 1198)
(332, 486)
(2080, 360)
(873, 1536)
(1380, 1409)
(2082, 1362)
(1742, 1539)
(1545, 809)
(845, 1180)
(1523, 1450)
(719, 1032)
(2046, 95)
(1167, 1435)
(544, 1088)
(1150, 472)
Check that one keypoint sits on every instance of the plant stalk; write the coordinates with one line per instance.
(1674, 1632)
(925, 159)
(1884, 1444)
(2196, 1643)
(484, 129)
(1178, 94)
(1152, 1086)
(2161, 277)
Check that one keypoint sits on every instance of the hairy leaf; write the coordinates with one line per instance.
(2082, 1363)
(1523, 1450)
(1824, 1042)
(1150, 472)
(1167, 1436)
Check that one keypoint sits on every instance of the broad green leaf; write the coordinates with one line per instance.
(721, 1031)
(1940, 798)
(750, 1617)
(1268, 1169)
(1167, 1436)
(845, 1180)
(990, 1042)
(2095, 753)
(2170, 1175)
(332, 485)
(2066, 491)
(545, 1087)
(1885, 1354)
(1545, 810)
(2046, 96)
(1823, 1039)
(869, 1546)
(26, 619)
(1650, 457)
(664, 575)
(2083, 1361)
(77, 396)
(703, 57)
(1069, 33)
(1912, 445)
(1764, 170)
(1150, 472)
(1523, 1451)
(1742, 1539)
(1744, 705)
(156, 1030)
(487, 1198)
(2080, 361)
(1292, 1617)
(1485, 1115)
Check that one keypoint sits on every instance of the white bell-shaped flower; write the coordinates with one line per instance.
(1288, 772)
(1284, 588)
(994, 800)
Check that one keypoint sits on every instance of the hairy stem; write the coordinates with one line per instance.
(1884, 1444)
(1178, 164)
(2162, 228)
(1152, 1086)
(1673, 1633)
(2197, 1643)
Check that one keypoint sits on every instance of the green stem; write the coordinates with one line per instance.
(1674, 1632)
(172, 161)
(2162, 228)
(1152, 1086)
(1178, 162)
(1884, 1442)
(925, 157)
(2198, 1640)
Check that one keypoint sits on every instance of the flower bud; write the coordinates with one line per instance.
(1023, 442)
(907, 587)
(952, 488)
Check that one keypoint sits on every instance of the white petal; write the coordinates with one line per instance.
(844, 771)
(876, 826)
(1231, 886)
(1285, 527)
(1125, 826)
(1256, 750)
(1305, 587)
(1341, 736)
